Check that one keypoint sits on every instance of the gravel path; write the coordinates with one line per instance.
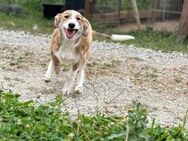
(116, 75)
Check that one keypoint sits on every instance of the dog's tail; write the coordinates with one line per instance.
(113, 37)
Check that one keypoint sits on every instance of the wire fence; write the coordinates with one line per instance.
(106, 11)
(113, 12)
(168, 9)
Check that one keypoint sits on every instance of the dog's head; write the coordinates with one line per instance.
(72, 24)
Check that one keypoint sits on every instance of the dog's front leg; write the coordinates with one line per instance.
(70, 81)
(49, 71)
(78, 89)
(52, 67)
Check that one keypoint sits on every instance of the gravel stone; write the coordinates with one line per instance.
(116, 75)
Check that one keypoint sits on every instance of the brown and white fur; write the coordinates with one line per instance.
(71, 42)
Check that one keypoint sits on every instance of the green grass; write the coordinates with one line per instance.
(26, 121)
(125, 4)
(147, 38)
(30, 16)
(141, 4)
(164, 41)
(26, 23)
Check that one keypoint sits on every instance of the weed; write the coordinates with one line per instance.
(106, 66)
(26, 121)
(185, 91)
(177, 80)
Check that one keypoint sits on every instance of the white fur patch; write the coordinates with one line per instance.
(67, 53)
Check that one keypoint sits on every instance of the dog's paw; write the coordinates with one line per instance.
(66, 91)
(46, 80)
(78, 90)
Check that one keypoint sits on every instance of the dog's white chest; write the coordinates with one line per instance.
(67, 53)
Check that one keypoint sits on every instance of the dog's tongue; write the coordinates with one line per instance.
(70, 33)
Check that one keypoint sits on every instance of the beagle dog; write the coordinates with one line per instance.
(71, 42)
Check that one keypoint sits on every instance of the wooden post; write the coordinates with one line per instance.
(88, 9)
(154, 13)
(136, 13)
(119, 9)
(163, 10)
(183, 24)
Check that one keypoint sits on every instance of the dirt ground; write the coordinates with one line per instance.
(116, 75)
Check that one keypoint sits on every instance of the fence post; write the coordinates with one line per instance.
(154, 8)
(136, 13)
(183, 23)
(88, 9)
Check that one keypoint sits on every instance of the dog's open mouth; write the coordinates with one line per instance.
(70, 32)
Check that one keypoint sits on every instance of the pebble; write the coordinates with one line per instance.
(120, 87)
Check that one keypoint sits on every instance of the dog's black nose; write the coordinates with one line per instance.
(71, 25)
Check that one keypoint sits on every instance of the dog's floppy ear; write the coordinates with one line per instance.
(85, 27)
(57, 20)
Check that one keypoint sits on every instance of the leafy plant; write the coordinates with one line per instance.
(28, 121)
(137, 123)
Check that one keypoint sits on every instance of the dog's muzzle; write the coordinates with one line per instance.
(70, 31)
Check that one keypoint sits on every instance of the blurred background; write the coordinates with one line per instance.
(114, 13)
(150, 21)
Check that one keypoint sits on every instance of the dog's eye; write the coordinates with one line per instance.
(78, 18)
(66, 16)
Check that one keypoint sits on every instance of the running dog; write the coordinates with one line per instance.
(71, 43)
